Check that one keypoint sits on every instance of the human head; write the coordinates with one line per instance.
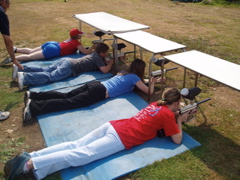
(75, 33)
(170, 96)
(102, 49)
(5, 4)
(137, 67)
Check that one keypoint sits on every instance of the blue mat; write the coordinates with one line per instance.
(71, 125)
(72, 81)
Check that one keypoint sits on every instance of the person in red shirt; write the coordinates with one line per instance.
(53, 49)
(110, 138)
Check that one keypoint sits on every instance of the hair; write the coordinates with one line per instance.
(74, 37)
(169, 96)
(7, 1)
(101, 47)
(136, 67)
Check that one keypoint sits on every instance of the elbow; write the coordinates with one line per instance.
(104, 71)
(178, 142)
(151, 93)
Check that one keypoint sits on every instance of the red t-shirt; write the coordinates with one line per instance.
(69, 46)
(144, 126)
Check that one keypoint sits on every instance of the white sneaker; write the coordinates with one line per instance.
(14, 72)
(6, 60)
(27, 114)
(4, 115)
(26, 97)
(20, 80)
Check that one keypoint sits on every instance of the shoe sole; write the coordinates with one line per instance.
(14, 73)
(26, 98)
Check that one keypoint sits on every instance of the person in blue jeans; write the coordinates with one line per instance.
(89, 93)
(112, 137)
(64, 68)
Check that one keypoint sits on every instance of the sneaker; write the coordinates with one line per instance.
(14, 72)
(4, 115)
(6, 60)
(20, 80)
(27, 114)
(9, 164)
(17, 168)
(158, 61)
(26, 97)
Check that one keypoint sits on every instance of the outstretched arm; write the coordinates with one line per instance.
(177, 138)
(107, 68)
(145, 88)
(9, 45)
(86, 51)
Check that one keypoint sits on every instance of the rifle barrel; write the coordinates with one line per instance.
(203, 101)
(171, 69)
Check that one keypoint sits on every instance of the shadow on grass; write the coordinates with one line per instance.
(218, 152)
(10, 106)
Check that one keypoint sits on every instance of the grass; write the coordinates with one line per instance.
(212, 29)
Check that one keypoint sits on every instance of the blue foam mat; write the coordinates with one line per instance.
(71, 125)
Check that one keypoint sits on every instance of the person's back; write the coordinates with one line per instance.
(121, 84)
(144, 125)
(69, 46)
(89, 62)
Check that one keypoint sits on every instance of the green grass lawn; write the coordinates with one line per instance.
(212, 29)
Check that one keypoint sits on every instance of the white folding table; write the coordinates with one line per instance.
(152, 43)
(220, 70)
(108, 23)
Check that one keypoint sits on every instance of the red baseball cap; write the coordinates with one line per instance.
(75, 32)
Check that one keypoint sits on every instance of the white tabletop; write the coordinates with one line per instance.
(215, 68)
(149, 42)
(109, 23)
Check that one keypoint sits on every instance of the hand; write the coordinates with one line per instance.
(182, 118)
(18, 65)
(154, 79)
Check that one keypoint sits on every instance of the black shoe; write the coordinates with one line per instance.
(17, 165)
(9, 164)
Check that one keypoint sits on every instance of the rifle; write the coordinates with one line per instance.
(97, 41)
(159, 72)
(190, 107)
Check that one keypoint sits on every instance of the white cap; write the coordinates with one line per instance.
(184, 91)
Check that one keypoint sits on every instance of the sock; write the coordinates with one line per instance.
(25, 167)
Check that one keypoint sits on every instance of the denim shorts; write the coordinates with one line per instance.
(51, 49)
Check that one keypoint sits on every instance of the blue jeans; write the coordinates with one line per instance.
(60, 70)
(102, 142)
